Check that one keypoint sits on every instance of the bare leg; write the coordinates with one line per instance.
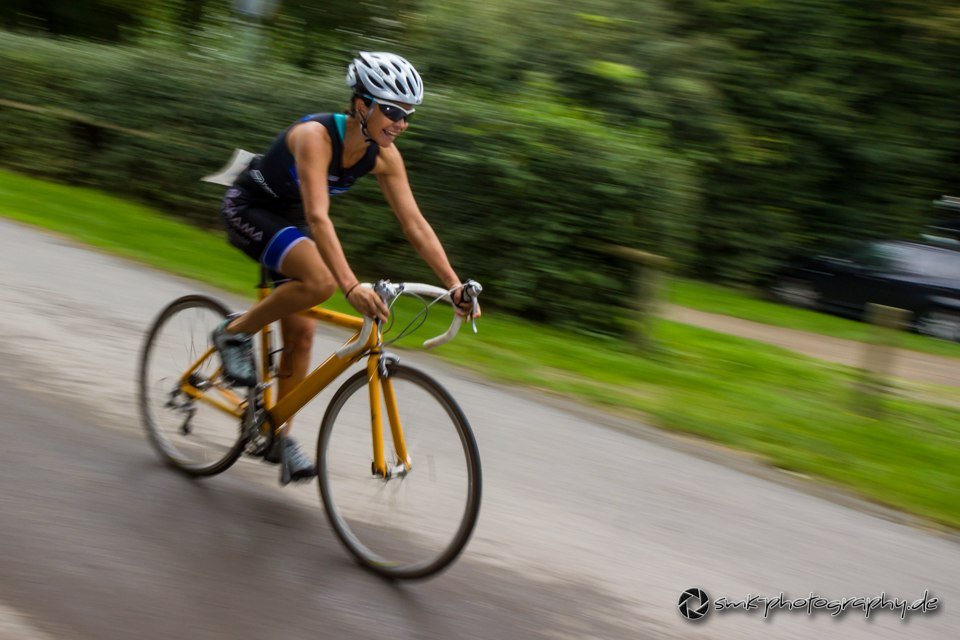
(312, 284)
(298, 332)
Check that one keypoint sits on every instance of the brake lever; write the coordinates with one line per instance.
(388, 291)
(473, 289)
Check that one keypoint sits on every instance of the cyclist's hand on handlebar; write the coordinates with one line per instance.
(464, 306)
(368, 303)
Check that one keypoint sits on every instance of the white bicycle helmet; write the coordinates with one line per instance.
(386, 76)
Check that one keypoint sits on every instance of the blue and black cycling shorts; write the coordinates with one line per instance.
(264, 233)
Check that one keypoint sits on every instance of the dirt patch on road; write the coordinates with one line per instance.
(907, 365)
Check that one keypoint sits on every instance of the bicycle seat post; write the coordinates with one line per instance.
(264, 278)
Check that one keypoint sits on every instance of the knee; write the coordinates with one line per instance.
(320, 289)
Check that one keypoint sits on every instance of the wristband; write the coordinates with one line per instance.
(347, 293)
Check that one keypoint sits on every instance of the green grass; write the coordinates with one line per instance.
(747, 304)
(797, 413)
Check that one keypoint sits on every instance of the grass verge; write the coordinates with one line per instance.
(796, 412)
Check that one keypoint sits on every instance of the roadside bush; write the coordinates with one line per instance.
(524, 191)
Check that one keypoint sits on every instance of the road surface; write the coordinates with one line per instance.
(586, 531)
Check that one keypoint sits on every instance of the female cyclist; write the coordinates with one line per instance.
(278, 213)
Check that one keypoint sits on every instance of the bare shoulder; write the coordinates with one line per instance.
(308, 135)
(389, 161)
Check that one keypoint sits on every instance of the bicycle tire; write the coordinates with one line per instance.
(356, 531)
(161, 405)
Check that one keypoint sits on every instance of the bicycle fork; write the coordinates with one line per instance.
(378, 378)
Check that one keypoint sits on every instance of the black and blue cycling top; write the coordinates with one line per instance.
(275, 173)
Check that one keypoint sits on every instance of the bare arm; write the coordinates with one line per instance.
(392, 176)
(310, 144)
(311, 147)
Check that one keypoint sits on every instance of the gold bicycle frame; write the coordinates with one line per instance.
(280, 411)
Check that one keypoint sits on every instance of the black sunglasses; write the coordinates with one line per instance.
(394, 113)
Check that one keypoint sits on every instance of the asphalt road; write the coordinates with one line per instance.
(586, 531)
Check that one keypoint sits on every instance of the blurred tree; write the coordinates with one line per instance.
(190, 15)
(809, 122)
(763, 127)
(314, 32)
(109, 20)
(841, 117)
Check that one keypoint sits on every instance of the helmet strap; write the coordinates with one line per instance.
(363, 120)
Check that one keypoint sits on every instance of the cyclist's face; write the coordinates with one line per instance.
(381, 128)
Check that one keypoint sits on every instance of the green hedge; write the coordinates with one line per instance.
(520, 189)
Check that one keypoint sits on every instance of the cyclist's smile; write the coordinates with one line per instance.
(391, 131)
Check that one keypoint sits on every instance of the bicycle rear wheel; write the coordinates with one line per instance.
(411, 525)
(189, 434)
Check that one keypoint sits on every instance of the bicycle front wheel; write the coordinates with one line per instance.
(185, 404)
(414, 523)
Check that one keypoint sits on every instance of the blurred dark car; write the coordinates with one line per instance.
(921, 278)
(944, 232)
